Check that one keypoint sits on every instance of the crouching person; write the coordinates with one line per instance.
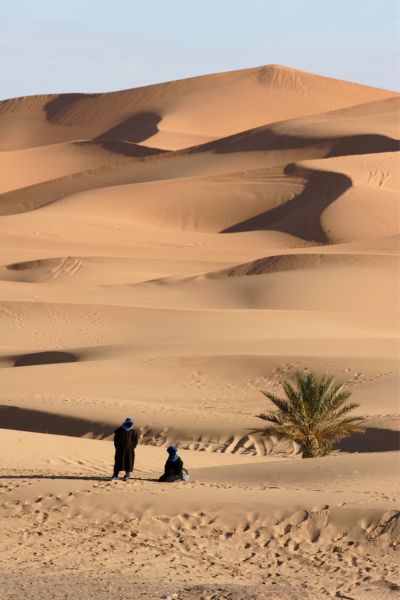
(174, 469)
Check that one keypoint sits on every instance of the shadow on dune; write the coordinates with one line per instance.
(130, 149)
(61, 104)
(137, 128)
(301, 216)
(259, 140)
(44, 358)
(265, 139)
(67, 477)
(363, 144)
(120, 139)
(23, 419)
(74, 477)
(373, 440)
(52, 357)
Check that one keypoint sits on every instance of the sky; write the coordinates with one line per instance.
(53, 46)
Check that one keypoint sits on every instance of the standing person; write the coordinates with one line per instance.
(125, 442)
(173, 469)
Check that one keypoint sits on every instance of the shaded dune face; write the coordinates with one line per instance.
(40, 270)
(44, 358)
(129, 149)
(40, 421)
(62, 105)
(194, 241)
(270, 140)
(137, 128)
(65, 109)
(301, 215)
(289, 262)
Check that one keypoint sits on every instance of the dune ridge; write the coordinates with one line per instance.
(179, 112)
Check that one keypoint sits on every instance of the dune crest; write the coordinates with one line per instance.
(191, 109)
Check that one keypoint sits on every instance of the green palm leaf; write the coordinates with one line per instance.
(312, 412)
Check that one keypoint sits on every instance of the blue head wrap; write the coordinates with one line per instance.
(172, 451)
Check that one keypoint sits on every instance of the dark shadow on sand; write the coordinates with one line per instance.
(75, 477)
(130, 149)
(44, 358)
(23, 419)
(61, 104)
(137, 128)
(301, 216)
(265, 139)
(373, 440)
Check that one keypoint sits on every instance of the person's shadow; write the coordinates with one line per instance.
(74, 477)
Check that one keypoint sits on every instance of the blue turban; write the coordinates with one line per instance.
(172, 451)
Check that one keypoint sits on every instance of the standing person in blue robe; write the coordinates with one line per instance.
(125, 442)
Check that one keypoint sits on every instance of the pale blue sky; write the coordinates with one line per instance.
(100, 45)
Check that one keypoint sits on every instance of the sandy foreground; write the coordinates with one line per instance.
(166, 253)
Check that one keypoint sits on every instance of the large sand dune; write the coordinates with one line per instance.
(168, 252)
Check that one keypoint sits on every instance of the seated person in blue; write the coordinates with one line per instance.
(173, 466)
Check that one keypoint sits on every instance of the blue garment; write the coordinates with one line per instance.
(172, 451)
(128, 424)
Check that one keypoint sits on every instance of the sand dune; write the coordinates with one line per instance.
(239, 526)
(22, 168)
(169, 252)
(178, 114)
(241, 161)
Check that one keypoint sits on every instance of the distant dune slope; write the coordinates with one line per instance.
(179, 113)
(168, 251)
(360, 130)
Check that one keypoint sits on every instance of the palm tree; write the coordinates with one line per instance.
(314, 413)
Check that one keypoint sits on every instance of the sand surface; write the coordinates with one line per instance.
(166, 253)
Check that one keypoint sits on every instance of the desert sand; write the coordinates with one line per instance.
(168, 252)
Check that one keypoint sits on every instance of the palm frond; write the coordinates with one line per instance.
(291, 393)
(313, 412)
(337, 414)
(281, 403)
(271, 417)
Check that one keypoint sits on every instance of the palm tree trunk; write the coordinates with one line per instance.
(311, 447)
